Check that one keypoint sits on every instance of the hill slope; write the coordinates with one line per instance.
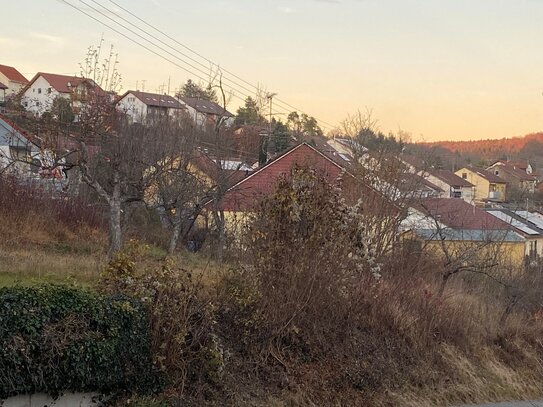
(491, 147)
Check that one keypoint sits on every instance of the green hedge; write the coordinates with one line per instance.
(58, 338)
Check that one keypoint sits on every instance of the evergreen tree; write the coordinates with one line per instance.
(249, 114)
(194, 90)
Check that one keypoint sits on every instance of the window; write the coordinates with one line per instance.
(39, 90)
(457, 194)
(496, 172)
(465, 175)
(49, 90)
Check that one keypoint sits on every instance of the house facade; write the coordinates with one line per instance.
(12, 79)
(141, 106)
(452, 227)
(519, 177)
(205, 112)
(488, 187)
(3, 89)
(452, 185)
(39, 94)
(18, 154)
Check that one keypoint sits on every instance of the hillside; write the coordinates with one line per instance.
(492, 148)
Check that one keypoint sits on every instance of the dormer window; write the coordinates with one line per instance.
(464, 175)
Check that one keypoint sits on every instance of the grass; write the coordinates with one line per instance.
(68, 264)
(36, 265)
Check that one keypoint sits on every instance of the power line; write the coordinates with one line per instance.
(206, 59)
(118, 31)
(146, 47)
(223, 77)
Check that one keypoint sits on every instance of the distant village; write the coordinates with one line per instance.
(468, 207)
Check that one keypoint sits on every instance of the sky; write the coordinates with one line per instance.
(436, 69)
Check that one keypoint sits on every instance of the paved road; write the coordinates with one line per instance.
(512, 404)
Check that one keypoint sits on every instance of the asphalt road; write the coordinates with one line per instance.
(512, 404)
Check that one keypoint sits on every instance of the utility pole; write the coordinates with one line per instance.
(270, 97)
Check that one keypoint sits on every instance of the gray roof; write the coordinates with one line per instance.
(206, 106)
(450, 178)
(476, 235)
(156, 99)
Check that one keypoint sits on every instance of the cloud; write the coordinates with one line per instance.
(49, 38)
(287, 10)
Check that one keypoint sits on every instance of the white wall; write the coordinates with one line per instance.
(38, 99)
(133, 107)
(13, 87)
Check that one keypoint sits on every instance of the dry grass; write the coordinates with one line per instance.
(32, 265)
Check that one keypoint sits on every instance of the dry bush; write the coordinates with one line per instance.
(34, 215)
(183, 344)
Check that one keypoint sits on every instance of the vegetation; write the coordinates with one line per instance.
(198, 91)
(56, 339)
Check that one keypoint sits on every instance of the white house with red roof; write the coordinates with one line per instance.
(12, 80)
(39, 94)
(140, 106)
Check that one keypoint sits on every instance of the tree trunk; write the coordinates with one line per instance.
(218, 217)
(115, 230)
(177, 224)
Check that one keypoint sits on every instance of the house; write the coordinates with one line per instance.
(523, 165)
(452, 185)
(488, 187)
(205, 112)
(12, 79)
(527, 224)
(206, 167)
(519, 177)
(19, 155)
(453, 227)
(140, 106)
(243, 197)
(3, 89)
(38, 95)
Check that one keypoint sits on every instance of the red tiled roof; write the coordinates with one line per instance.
(62, 83)
(515, 172)
(521, 164)
(458, 214)
(245, 194)
(13, 74)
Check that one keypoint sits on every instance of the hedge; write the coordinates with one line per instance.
(57, 338)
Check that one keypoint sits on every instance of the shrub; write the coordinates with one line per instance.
(183, 345)
(57, 338)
